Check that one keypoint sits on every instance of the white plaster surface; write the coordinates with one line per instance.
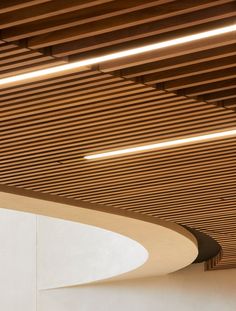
(70, 253)
(17, 261)
(190, 289)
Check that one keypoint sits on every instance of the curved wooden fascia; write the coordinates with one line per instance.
(170, 246)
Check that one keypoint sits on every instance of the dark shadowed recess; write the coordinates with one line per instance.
(207, 246)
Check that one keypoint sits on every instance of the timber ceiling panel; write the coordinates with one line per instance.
(47, 126)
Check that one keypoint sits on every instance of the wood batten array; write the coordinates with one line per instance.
(46, 131)
(49, 125)
(16, 59)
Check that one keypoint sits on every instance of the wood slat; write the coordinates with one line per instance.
(116, 22)
(165, 53)
(12, 5)
(191, 70)
(210, 88)
(45, 10)
(218, 75)
(221, 95)
(230, 103)
(80, 17)
(89, 43)
(178, 62)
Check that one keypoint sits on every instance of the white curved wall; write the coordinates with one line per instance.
(190, 289)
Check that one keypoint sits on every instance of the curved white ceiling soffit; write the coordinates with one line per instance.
(70, 253)
(170, 247)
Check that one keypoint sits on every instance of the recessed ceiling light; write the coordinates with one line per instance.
(165, 144)
(112, 56)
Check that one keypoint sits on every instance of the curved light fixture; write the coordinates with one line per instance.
(164, 144)
(117, 55)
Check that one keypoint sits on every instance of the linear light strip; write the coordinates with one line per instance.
(164, 144)
(112, 56)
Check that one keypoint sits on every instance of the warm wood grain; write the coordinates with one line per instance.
(48, 125)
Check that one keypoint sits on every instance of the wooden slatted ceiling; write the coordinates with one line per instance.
(49, 125)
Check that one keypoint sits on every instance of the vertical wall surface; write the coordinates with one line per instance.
(191, 289)
(17, 261)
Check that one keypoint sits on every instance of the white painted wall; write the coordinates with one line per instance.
(191, 289)
(17, 261)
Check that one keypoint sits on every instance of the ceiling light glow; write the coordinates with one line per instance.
(117, 55)
(165, 144)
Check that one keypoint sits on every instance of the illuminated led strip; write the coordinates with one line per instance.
(112, 56)
(165, 144)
